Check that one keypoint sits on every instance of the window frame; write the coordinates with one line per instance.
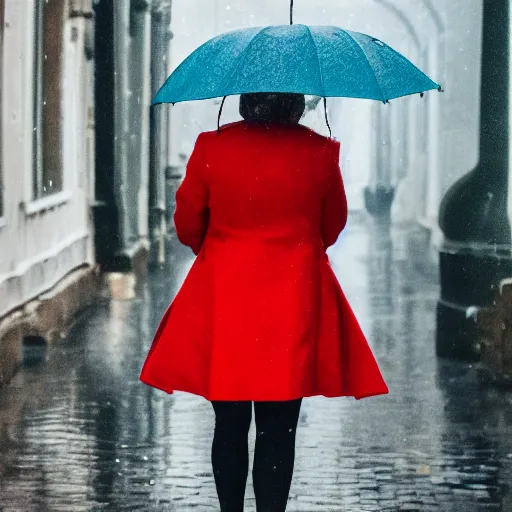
(39, 197)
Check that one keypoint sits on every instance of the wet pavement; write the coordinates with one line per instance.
(78, 432)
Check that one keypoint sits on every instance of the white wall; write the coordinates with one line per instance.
(42, 240)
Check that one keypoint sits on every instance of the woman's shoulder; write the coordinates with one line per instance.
(317, 136)
(302, 132)
(223, 128)
(320, 143)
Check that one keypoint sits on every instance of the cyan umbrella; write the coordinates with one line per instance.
(323, 61)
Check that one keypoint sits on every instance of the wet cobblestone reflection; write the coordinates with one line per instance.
(78, 432)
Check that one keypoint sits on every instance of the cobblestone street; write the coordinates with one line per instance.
(79, 432)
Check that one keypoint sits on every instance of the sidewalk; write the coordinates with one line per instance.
(78, 432)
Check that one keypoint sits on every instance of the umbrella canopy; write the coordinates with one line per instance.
(323, 61)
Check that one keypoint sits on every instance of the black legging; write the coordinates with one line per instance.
(274, 453)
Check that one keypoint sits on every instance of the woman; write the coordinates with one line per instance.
(261, 317)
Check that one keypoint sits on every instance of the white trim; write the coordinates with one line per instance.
(32, 75)
(25, 284)
(48, 202)
(498, 251)
(70, 103)
(40, 257)
(28, 104)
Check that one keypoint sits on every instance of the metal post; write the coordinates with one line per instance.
(140, 84)
(476, 253)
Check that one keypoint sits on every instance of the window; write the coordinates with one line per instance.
(48, 165)
(2, 6)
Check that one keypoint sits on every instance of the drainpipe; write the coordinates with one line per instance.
(160, 133)
(140, 102)
(121, 118)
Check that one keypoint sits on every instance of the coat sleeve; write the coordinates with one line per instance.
(192, 212)
(334, 207)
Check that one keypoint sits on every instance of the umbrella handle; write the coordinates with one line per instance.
(291, 12)
(220, 113)
(327, 118)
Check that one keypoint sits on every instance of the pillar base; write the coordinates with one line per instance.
(469, 280)
(378, 201)
(133, 260)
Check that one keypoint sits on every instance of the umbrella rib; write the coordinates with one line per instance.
(354, 42)
(317, 60)
(242, 61)
(408, 62)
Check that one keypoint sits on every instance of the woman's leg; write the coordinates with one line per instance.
(230, 453)
(274, 454)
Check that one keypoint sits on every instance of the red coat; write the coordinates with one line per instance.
(261, 315)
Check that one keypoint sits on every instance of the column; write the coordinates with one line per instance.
(121, 118)
(159, 126)
(378, 196)
(139, 108)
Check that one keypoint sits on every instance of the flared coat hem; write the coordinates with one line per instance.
(256, 397)
(338, 362)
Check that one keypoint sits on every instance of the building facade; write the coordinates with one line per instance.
(83, 157)
(47, 265)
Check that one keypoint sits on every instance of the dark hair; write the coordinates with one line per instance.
(282, 108)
